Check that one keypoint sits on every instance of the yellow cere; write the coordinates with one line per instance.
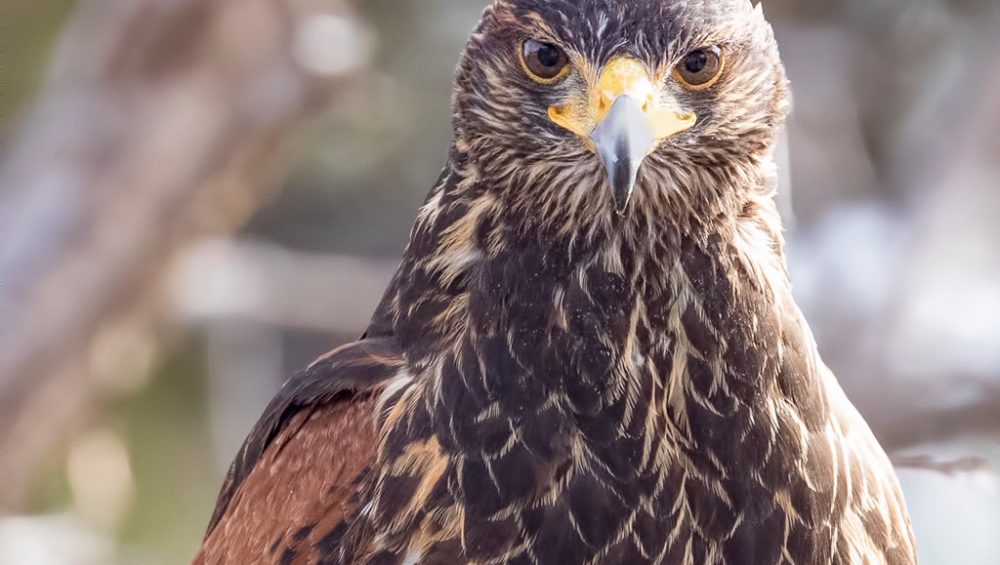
(622, 76)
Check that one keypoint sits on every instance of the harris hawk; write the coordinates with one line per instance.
(590, 352)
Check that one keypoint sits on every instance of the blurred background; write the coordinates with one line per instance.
(198, 197)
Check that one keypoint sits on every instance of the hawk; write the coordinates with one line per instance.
(590, 353)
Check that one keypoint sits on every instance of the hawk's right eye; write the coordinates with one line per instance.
(544, 62)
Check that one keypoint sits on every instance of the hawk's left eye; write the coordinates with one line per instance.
(701, 68)
(544, 62)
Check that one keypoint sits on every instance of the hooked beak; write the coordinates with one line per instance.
(624, 119)
(623, 139)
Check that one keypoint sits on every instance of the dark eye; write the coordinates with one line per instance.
(544, 62)
(701, 68)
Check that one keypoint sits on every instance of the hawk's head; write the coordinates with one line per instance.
(580, 108)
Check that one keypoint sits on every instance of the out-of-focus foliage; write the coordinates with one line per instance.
(893, 166)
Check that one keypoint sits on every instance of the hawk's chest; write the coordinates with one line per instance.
(582, 411)
(564, 439)
(479, 473)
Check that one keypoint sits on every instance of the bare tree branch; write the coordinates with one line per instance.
(956, 467)
(278, 287)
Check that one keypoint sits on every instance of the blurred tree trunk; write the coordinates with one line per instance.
(162, 121)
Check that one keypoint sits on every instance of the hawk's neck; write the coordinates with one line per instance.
(630, 332)
(580, 312)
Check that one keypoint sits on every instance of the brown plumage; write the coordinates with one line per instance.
(581, 359)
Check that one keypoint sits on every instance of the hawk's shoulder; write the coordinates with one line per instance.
(302, 461)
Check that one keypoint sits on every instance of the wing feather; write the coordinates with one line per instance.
(294, 477)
